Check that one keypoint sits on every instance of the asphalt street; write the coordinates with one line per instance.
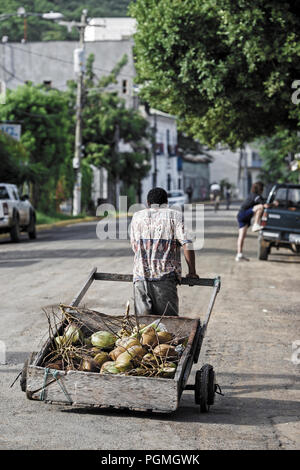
(255, 321)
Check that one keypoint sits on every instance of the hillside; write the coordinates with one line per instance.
(42, 30)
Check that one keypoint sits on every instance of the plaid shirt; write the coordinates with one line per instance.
(156, 238)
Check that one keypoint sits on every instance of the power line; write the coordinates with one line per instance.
(59, 59)
(11, 74)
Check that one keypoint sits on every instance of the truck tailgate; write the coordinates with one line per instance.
(284, 220)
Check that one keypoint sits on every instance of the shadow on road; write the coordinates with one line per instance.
(65, 253)
(230, 409)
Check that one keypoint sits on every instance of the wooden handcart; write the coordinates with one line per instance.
(89, 389)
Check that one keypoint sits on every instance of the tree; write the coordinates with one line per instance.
(276, 152)
(44, 115)
(224, 67)
(107, 123)
(44, 30)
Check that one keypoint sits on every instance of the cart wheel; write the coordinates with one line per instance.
(24, 376)
(23, 379)
(205, 387)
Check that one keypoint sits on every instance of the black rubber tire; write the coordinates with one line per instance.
(15, 233)
(31, 230)
(204, 387)
(23, 379)
(263, 249)
(297, 248)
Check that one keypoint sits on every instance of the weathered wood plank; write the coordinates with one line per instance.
(129, 278)
(106, 390)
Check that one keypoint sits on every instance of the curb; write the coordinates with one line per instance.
(64, 223)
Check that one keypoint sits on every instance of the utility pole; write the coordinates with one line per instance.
(117, 180)
(78, 132)
(154, 150)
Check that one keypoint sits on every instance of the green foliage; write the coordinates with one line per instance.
(45, 30)
(12, 157)
(274, 152)
(224, 67)
(45, 120)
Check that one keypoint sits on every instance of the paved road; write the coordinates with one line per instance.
(249, 343)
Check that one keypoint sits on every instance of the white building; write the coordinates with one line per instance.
(110, 29)
(165, 171)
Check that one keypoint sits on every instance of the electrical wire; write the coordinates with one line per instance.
(59, 59)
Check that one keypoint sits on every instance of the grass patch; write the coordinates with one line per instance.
(52, 218)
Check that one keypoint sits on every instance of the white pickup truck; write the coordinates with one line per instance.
(16, 214)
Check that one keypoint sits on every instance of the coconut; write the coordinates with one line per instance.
(149, 359)
(101, 358)
(165, 350)
(167, 372)
(109, 368)
(103, 339)
(116, 352)
(60, 341)
(73, 333)
(123, 361)
(89, 365)
(136, 351)
(164, 337)
(127, 342)
(94, 351)
(149, 337)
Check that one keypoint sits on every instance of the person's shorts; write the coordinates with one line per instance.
(244, 217)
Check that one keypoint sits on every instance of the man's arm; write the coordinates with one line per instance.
(190, 260)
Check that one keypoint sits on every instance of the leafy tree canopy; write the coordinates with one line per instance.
(276, 152)
(45, 120)
(45, 30)
(224, 67)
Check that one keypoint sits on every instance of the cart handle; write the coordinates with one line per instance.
(188, 281)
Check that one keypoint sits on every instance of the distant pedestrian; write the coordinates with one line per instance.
(189, 191)
(228, 197)
(215, 195)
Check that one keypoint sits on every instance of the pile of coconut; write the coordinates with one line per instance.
(134, 349)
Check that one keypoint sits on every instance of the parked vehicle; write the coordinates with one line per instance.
(177, 198)
(16, 214)
(281, 224)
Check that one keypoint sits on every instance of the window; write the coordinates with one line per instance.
(3, 193)
(15, 195)
(280, 196)
(169, 181)
(294, 198)
(124, 86)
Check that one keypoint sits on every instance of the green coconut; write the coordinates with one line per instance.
(73, 334)
(123, 362)
(103, 339)
(109, 368)
(60, 340)
(101, 358)
(167, 372)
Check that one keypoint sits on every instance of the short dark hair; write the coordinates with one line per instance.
(157, 196)
(257, 187)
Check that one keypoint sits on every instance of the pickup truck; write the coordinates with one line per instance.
(281, 224)
(16, 214)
